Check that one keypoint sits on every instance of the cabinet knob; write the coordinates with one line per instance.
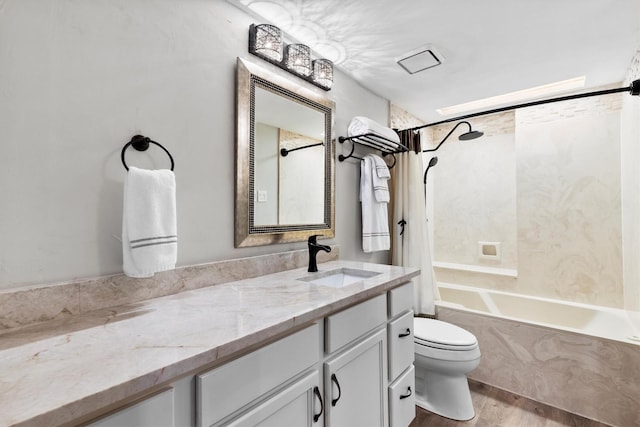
(405, 334)
(316, 417)
(334, 379)
(404, 396)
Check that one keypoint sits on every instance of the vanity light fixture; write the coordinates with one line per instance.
(265, 41)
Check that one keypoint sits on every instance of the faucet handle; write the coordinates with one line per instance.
(313, 239)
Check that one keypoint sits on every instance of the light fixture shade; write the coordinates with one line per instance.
(266, 41)
(323, 72)
(297, 58)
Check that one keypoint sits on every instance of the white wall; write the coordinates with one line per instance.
(78, 79)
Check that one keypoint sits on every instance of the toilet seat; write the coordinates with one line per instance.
(443, 336)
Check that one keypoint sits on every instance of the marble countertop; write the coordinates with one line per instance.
(58, 371)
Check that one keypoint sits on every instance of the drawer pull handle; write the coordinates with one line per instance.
(334, 379)
(316, 391)
(404, 396)
(405, 334)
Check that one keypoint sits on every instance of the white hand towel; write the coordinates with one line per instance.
(149, 230)
(360, 125)
(379, 178)
(375, 223)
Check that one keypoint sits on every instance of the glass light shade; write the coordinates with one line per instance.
(297, 58)
(323, 72)
(266, 40)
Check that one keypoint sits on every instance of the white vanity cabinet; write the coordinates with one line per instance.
(353, 368)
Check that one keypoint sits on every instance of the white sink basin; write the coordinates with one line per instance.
(339, 278)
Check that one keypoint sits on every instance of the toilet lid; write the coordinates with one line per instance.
(431, 331)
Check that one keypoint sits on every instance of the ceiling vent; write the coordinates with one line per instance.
(420, 59)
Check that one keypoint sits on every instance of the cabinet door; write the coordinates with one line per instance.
(355, 384)
(300, 405)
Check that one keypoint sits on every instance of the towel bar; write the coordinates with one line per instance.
(141, 143)
(367, 140)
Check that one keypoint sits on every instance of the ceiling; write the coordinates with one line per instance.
(489, 47)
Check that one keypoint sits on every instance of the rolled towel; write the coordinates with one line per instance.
(360, 125)
(149, 230)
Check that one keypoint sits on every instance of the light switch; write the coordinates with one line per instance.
(262, 195)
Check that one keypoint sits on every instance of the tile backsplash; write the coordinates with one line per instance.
(25, 306)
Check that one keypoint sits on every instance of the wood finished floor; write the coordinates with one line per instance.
(498, 408)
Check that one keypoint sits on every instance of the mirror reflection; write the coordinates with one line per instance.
(289, 188)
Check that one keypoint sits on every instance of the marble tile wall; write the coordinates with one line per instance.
(25, 306)
(592, 377)
(568, 203)
(630, 150)
(545, 183)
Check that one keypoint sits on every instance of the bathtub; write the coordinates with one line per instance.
(580, 358)
(603, 322)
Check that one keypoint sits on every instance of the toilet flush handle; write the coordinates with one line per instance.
(405, 334)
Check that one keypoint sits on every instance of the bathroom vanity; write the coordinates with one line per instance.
(290, 348)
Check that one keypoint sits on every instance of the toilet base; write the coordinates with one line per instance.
(444, 395)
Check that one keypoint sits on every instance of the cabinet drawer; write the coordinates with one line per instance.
(400, 299)
(352, 323)
(226, 389)
(401, 346)
(156, 411)
(402, 401)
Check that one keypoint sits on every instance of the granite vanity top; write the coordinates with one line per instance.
(58, 371)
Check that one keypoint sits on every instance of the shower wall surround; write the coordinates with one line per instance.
(568, 202)
(630, 154)
(78, 80)
(545, 183)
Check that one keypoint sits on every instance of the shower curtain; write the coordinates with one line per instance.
(410, 245)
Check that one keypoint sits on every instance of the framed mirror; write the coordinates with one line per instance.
(284, 158)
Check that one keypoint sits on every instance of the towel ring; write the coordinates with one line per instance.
(141, 143)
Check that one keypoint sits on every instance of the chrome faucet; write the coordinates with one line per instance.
(314, 248)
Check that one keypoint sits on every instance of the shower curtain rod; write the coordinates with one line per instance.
(633, 89)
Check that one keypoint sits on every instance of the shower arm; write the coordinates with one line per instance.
(445, 138)
(633, 89)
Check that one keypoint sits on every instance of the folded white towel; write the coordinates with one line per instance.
(361, 125)
(149, 230)
(379, 177)
(375, 222)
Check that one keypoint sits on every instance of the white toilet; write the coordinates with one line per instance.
(445, 353)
